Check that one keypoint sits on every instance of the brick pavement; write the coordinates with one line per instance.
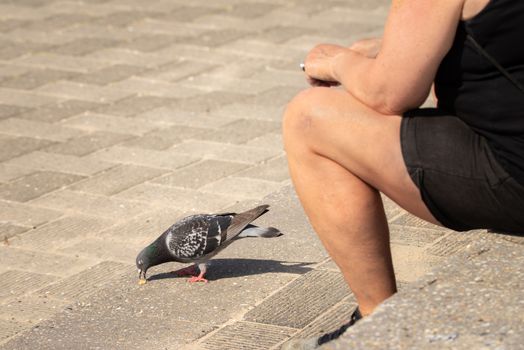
(119, 116)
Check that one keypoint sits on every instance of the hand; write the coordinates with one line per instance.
(318, 64)
(367, 47)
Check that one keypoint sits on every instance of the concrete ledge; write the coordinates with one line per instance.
(474, 300)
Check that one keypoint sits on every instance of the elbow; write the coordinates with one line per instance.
(396, 103)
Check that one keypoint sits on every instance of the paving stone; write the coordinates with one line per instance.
(300, 302)
(10, 52)
(134, 105)
(59, 111)
(25, 99)
(175, 116)
(178, 198)
(244, 110)
(75, 287)
(10, 69)
(12, 147)
(89, 143)
(144, 157)
(62, 62)
(138, 85)
(117, 179)
(36, 184)
(121, 18)
(135, 58)
(178, 70)
(242, 187)
(81, 47)
(207, 82)
(100, 122)
(36, 78)
(90, 204)
(278, 95)
(10, 24)
(40, 262)
(187, 13)
(17, 283)
(215, 38)
(83, 92)
(269, 140)
(199, 174)
(100, 249)
(158, 26)
(7, 111)
(255, 48)
(149, 43)
(8, 172)
(391, 208)
(411, 262)
(246, 335)
(8, 230)
(60, 163)
(198, 53)
(56, 22)
(209, 101)
(30, 128)
(227, 152)
(108, 75)
(275, 170)
(142, 228)
(329, 321)
(413, 221)
(240, 131)
(10, 328)
(418, 237)
(450, 244)
(164, 138)
(25, 215)
(31, 309)
(62, 232)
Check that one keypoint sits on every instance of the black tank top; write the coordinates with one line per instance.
(471, 87)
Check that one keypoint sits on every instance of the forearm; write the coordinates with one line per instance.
(373, 83)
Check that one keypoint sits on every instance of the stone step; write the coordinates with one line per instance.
(474, 300)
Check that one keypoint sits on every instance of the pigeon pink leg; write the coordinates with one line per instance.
(200, 277)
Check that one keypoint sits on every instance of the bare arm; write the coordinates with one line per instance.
(418, 34)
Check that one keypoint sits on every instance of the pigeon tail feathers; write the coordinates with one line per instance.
(241, 220)
(256, 231)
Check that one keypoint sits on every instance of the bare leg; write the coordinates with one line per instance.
(341, 154)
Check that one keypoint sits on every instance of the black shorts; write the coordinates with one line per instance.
(460, 181)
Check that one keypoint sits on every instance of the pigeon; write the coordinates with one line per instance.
(197, 238)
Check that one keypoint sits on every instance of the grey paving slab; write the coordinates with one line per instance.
(26, 215)
(35, 184)
(21, 282)
(60, 163)
(200, 174)
(301, 301)
(41, 262)
(165, 137)
(12, 147)
(8, 230)
(30, 308)
(63, 231)
(56, 112)
(246, 335)
(89, 143)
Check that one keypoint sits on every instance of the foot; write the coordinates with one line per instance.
(197, 279)
(314, 343)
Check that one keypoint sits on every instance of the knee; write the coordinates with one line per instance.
(301, 113)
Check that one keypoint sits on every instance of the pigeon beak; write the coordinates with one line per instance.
(141, 280)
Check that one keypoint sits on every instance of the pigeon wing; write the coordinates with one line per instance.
(241, 220)
(197, 236)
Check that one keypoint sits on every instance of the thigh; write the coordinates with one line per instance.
(337, 126)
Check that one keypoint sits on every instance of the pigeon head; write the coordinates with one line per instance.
(145, 260)
(152, 255)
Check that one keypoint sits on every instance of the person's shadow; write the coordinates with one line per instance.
(230, 268)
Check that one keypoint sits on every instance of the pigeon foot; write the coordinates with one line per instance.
(197, 279)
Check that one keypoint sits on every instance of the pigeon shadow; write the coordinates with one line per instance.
(230, 268)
